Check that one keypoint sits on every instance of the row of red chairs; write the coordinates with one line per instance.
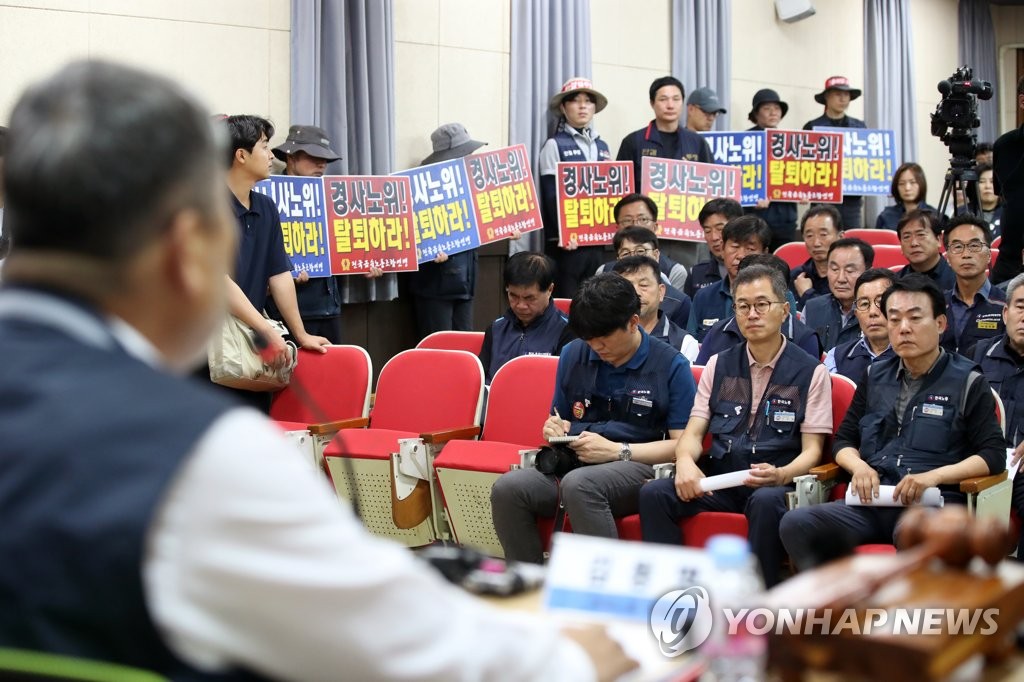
(887, 255)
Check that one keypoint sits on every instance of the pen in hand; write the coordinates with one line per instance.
(554, 411)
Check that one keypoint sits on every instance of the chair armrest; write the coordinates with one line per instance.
(332, 427)
(979, 483)
(438, 437)
(826, 472)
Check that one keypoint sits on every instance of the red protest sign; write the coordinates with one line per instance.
(805, 165)
(587, 194)
(369, 223)
(681, 188)
(504, 198)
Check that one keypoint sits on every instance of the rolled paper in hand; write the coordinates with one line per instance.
(722, 481)
(931, 498)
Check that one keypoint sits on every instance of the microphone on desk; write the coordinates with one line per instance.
(267, 354)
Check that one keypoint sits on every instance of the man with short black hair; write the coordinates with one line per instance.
(768, 408)
(820, 226)
(727, 333)
(852, 358)
(919, 233)
(637, 214)
(213, 551)
(836, 96)
(621, 392)
(832, 317)
(702, 108)
(713, 218)
(643, 272)
(533, 324)
(664, 136)
(742, 236)
(968, 250)
(923, 419)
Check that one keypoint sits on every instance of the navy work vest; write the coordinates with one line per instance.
(510, 339)
(1006, 377)
(774, 434)
(984, 321)
(85, 465)
(933, 432)
(852, 359)
(638, 413)
(568, 150)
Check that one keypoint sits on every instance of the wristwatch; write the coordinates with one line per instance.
(625, 453)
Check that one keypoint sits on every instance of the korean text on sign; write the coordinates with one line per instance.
(300, 202)
(587, 194)
(504, 198)
(869, 160)
(442, 215)
(369, 223)
(681, 188)
(805, 165)
(746, 151)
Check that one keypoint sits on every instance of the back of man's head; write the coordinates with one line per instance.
(245, 131)
(527, 268)
(100, 157)
(603, 304)
(768, 260)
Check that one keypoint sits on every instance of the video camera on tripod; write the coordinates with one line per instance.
(955, 122)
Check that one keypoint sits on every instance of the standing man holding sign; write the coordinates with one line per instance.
(836, 97)
(768, 406)
(923, 419)
(574, 140)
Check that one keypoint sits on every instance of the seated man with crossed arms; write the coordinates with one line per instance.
(768, 406)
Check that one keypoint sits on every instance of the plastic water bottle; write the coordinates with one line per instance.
(738, 656)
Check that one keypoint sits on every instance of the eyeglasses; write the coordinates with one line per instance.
(643, 221)
(638, 251)
(762, 307)
(974, 246)
(864, 304)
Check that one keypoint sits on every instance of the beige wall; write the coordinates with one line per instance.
(451, 64)
(234, 54)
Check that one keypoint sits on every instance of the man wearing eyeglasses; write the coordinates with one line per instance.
(768, 407)
(642, 272)
(639, 211)
(919, 232)
(713, 219)
(832, 316)
(853, 357)
(975, 306)
(1002, 360)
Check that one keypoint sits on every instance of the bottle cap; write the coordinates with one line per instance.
(728, 551)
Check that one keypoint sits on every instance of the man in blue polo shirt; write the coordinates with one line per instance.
(975, 306)
(664, 136)
(742, 236)
(532, 325)
(621, 392)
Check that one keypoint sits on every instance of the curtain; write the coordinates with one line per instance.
(978, 50)
(889, 80)
(550, 44)
(342, 79)
(702, 48)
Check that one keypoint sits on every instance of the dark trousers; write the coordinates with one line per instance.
(1017, 505)
(327, 327)
(661, 510)
(574, 267)
(822, 532)
(442, 315)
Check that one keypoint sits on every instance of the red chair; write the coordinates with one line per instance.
(997, 242)
(563, 304)
(517, 407)
(995, 254)
(873, 237)
(336, 385)
(794, 253)
(421, 393)
(888, 256)
(451, 340)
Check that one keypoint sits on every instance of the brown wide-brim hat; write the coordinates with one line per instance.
(309, 139)
(766, 96)
(837, 83)
(572, 87)
(451, 141)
